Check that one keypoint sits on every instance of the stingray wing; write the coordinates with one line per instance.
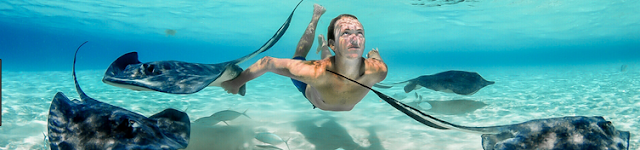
(174, 124)
(174, 77)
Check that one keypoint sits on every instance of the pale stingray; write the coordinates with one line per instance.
(459, 82)
(179, 77)
(90, 124)
(570, 132)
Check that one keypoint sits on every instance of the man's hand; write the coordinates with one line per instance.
(374, 54)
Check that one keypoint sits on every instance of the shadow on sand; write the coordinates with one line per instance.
(326, 134)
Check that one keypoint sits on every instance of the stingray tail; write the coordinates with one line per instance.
(427, 119)
(271, 41)
(83, 96)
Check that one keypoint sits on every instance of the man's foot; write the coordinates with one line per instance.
(318, 10)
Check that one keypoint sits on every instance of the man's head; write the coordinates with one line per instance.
(345, 36)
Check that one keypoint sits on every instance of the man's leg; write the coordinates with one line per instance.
(305, 44)
(307, 38)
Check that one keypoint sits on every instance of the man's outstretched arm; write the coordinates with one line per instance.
(292, 68)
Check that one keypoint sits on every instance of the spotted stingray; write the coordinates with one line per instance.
(90, 124)
(453, 81)
(562, 133)
(178, 77)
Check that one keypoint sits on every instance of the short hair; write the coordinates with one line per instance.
(332, 26)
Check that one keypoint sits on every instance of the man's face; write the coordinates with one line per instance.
(350, 38)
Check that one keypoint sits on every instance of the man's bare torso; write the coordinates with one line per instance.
(331, 92)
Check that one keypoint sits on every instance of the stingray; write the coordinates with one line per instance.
(90, 124)
(459, 82)
(569, 132)
(178, 77)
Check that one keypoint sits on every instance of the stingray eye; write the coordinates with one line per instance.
(151, 69)
(133, 124)
(607, 127)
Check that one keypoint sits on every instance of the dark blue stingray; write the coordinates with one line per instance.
(90, 124)
(563, 133)
(179, 77)
(459, 82)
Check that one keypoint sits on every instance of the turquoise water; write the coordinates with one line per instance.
(548, 58)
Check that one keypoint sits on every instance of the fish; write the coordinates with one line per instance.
(208, 120)
(453, 81)
(227, 115)
(91, 124)
(270, 138)
(560, 133)
(217, 117)
(178, 77)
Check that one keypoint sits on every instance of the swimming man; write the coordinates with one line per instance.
(324, 89)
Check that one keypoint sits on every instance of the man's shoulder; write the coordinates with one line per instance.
(374, 63)
(322, 63)
(377, 68)
(311, 67)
